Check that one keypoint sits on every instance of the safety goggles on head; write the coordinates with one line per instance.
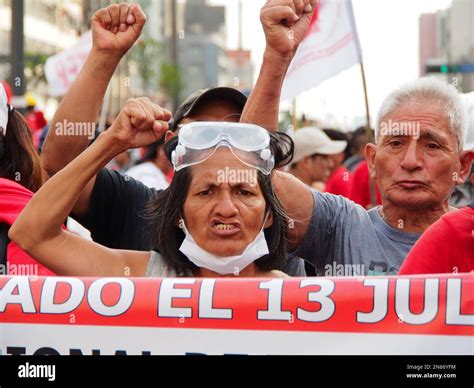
(198, 141)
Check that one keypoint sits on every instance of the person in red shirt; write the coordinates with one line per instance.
(13, 198)
(34, 119)
(339, 182)
(364, 191)
(20, 176)
(447, 246)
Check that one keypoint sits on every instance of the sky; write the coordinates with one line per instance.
(388, 33)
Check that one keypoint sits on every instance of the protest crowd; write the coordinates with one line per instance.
(219, 190)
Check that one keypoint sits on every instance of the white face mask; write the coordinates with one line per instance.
(223, 265)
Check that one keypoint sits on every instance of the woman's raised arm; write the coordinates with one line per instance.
(38, 229)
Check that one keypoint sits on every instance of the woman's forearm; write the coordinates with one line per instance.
(44, 215)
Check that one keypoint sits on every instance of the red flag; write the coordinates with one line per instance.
(331, 45)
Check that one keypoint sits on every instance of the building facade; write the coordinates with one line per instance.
(447, 38)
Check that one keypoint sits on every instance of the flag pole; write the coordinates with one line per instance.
(373, 198)
(294, 121)
(362, 71)
(367, 111)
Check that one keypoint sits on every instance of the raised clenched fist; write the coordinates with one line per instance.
(285, 23)
(117, 27)
(140, 123)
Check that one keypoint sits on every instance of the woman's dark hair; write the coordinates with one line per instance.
(19, 160)
(167, 207)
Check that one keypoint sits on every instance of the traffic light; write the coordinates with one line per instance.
(442, 69)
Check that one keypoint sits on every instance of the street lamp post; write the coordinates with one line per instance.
(174, 45)
(17, 51)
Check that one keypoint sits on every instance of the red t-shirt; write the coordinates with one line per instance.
(35, 120)
(13, 198)
(360, 187)
(447, 246)
(339, 183)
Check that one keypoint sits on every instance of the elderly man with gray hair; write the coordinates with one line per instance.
(417, 160)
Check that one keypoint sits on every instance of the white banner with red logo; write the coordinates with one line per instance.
(62, 69)
(368, 315)
(330, 46)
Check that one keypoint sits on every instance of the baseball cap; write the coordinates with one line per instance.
(225, 93)
(311, 140)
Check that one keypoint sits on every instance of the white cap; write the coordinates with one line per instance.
(312, 140)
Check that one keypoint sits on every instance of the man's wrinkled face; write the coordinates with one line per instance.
(418, 169)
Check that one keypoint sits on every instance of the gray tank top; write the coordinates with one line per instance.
(157, 268)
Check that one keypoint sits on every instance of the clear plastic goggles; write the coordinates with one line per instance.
(198, 141)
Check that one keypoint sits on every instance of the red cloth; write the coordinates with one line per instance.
(13, 198)
(36, 121)
(8, 90)
(447, 246)
(170, 175)
(339, 183)
(360, 188)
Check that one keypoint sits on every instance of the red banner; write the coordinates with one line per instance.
(442, 305)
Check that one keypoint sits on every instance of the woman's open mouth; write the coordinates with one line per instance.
(221, 228)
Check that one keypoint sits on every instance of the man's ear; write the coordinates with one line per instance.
(169, 135)
(466, 158)
(370, 151)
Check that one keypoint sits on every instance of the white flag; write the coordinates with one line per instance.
(62, 69)
(330, 46)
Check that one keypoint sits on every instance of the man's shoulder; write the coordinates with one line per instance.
(338, 210)
(334, 200)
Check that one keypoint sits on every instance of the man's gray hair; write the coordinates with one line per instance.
(428, 91)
